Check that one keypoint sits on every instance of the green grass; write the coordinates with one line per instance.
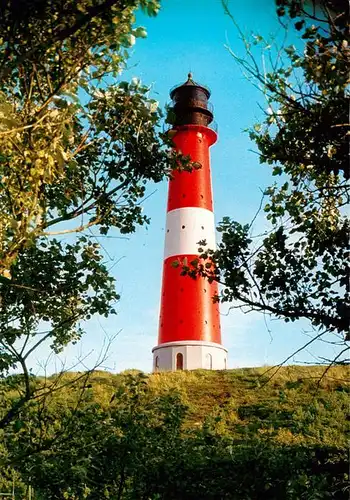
(297, 406)
(293, 407)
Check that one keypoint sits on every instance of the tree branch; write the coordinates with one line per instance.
(62, 34)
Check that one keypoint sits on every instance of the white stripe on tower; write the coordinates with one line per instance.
(185, 228)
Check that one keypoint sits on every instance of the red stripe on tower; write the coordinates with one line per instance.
(189, 325)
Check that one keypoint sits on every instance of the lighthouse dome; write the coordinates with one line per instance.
(190, 104)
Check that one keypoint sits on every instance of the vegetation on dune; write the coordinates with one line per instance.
(184, 435)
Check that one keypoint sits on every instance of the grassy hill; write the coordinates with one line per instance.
(186, 435)
(252, 402)
(287, 406)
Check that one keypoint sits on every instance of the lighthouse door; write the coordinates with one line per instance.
(179, 361)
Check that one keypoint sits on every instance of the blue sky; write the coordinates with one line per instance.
(190, 35)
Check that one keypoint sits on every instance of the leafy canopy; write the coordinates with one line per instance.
(298, 268)
(77, 149)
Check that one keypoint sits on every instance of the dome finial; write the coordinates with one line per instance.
(190, 76)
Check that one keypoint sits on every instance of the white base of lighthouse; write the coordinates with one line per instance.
(189, 355)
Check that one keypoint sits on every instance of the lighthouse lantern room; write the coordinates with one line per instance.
(189, 325)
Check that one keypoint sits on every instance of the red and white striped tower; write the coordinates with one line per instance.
(189, 325)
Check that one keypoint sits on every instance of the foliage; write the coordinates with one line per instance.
(77, 149)
(185, 435)
(65, 143)
(298, 268)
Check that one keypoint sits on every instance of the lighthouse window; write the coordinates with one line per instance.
(157, 363)
(202, 227)
(183, 227)
(179, 361)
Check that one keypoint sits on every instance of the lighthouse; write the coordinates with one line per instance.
(189, 325)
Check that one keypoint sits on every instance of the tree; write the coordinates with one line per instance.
(299, 268)
(77, 148)
(107, 450)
